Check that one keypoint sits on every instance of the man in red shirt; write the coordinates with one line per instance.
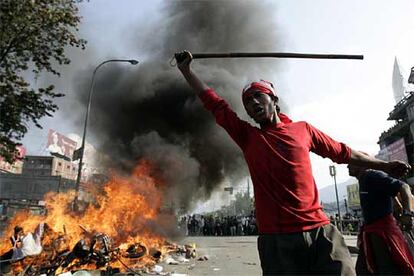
(295, 236)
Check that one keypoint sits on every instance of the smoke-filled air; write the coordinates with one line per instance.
(152, 114)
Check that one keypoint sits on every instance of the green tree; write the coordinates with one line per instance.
(242, 204)
(33, 37)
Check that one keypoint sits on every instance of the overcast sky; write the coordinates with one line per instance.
(348, 99)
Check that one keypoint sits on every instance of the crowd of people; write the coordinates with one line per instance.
(209, 225)
(349, 224)
(245, 225)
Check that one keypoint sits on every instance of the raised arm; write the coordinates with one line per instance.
(224, 115)
(393, 168)
(183, 63)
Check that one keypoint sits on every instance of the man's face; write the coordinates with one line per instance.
(260, 106)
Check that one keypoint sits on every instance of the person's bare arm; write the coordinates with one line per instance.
(393, 168)
(397, 206)
(406, 202)
(183, 63)
(406, 197)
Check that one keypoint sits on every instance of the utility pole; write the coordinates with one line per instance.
(248, 188)
(346, 205)
(332, 172)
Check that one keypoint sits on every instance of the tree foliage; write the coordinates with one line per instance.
(33, 37)
(242, 204)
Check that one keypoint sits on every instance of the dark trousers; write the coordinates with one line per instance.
(320, 251)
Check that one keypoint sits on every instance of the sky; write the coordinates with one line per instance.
(348, 99)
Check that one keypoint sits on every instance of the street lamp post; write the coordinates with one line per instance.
(346, 205)
(82, 148)
(332, 172)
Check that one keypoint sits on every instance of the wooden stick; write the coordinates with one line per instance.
(274, 55)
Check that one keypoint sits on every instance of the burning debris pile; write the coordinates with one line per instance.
(98, 252)
(119, 232)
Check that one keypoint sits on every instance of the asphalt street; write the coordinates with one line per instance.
(226, 256)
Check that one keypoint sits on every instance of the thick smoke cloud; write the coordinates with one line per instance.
(153, 114)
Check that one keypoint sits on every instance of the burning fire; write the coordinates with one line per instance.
(124, 212)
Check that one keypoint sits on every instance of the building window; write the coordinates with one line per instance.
(59, 164)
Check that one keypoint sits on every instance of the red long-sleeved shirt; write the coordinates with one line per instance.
(278, 158)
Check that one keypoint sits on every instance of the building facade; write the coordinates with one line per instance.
(397, 143)
(39, 176)
(49, 166)
(15, 168)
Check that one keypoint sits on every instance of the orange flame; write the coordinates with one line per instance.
(124, 212)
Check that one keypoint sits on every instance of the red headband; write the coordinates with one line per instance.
(262, 86)
(267, 88)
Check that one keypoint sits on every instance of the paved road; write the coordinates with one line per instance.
(227, 256)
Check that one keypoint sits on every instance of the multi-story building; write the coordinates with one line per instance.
(40, 175)
(397, 143)
(49, 166)
(18, 191)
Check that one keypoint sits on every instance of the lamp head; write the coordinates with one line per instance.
(133, 61)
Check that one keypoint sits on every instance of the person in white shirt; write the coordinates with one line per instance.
(24, 245)
(31, 244)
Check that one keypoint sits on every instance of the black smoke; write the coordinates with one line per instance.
(151, 113)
